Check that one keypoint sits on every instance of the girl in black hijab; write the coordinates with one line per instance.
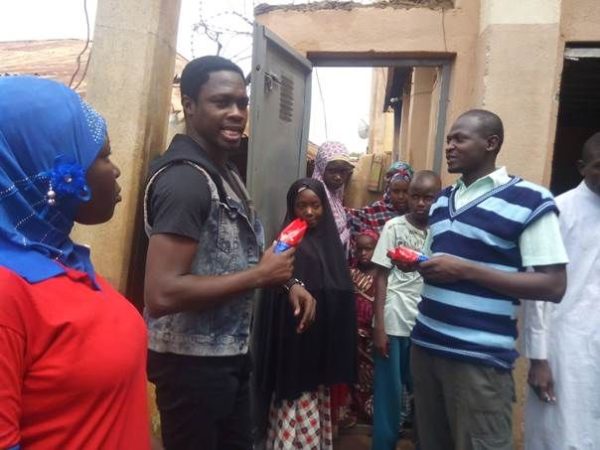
(294, 370)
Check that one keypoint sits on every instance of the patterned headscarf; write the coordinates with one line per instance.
(378, 213)
(399, 167)
(370, 233)
(328, 152)
(49, 137)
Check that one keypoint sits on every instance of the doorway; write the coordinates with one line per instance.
(281, 85)
(381, 113)
(578, 114)
(410, 95)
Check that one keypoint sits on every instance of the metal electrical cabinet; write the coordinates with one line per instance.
(279, 121)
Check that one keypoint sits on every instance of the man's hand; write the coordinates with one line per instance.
(304, 305)
(274, 269)
(381, 342)
(443, 269)
(541, 381)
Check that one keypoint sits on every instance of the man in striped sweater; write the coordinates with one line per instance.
(486, 230)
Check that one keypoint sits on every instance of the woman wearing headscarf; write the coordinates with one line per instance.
(394, 202)
(333, 168)
(72, 364)
(294, 371)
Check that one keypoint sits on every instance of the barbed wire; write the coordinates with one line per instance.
(211, 27)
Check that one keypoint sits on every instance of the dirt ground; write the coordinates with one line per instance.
(359, 438)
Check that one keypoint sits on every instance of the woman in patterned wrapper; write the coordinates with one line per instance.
(295, 369)
(73, 358)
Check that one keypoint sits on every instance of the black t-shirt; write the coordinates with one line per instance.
(179, 202)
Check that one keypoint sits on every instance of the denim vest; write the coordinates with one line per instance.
(230, 241)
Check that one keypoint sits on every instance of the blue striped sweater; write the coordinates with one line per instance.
(464, 320)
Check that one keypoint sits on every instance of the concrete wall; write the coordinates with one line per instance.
(356, 194)
(508, 58)
(524, 41)
(420, 154)
(129, 83)
(519, 59)
(433, 116)
(377, 122)
(580, 20)
(400, 32)
(405, 123)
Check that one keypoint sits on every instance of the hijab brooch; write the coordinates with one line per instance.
(66, 179)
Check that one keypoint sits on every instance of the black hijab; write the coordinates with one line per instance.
(320, 245)
(288, 363)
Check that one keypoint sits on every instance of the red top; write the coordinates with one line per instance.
(72, 366)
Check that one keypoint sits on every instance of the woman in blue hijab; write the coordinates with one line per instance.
(72, 365)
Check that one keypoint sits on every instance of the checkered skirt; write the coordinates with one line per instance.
(304, 423)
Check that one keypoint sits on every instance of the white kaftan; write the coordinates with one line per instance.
(568, 335)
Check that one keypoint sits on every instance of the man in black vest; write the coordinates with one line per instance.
(203, 265)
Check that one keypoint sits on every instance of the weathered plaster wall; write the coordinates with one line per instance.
(520, 65)
(356, 195)
(390, 32)
(580, 20)
(519, 59)
(405, 123)
(518, 12)
(409, 30)
(419, 115)
(433, 115)
(129, 82)
(377, 127)
(508, 57)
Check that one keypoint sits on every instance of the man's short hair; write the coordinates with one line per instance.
(491, 124)
(591, 148)
(198, 70)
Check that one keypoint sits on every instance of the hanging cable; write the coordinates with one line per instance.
(322, 102)
(87, 44)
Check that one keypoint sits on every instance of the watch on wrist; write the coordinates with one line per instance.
(291, 282)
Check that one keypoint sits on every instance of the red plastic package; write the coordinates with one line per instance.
(406, 255)
(291, 235)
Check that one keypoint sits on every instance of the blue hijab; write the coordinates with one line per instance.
(49, 138)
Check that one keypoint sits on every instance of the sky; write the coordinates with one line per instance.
(334, 114)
